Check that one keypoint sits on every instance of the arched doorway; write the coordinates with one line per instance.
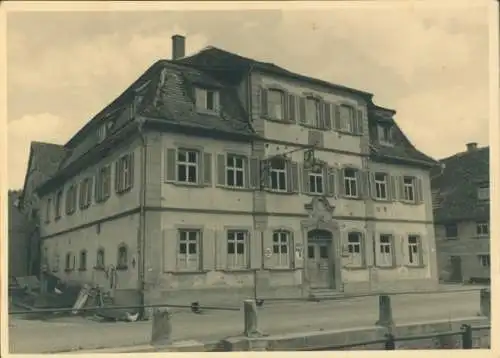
(320, 259)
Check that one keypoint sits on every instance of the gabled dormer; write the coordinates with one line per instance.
(207, 100)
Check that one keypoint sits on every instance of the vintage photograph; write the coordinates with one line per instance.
(210, 177)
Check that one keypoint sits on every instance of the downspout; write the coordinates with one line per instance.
(141, 237)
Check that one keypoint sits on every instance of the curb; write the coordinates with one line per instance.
(179, 346)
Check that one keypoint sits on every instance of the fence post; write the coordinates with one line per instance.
(250, 318)
(385, 312)
(466, 336)
(485, 302)
(162, 326)
(390, 343)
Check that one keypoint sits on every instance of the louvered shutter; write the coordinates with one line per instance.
(302, 110)
(220, 250)
(330, 181)
(337, 124)
(263, 102)
(294, 177)
(131, 170)
(208, 249)
(117, 176)
(207, 169)
(401, 188)
(255, 244)
(359, 122)
(327, 111)
(292, 108)
(305, 179)
(419, 191)
(373, 187)
(170, 165)
(221, 170)
(392, 190)
(255, 174)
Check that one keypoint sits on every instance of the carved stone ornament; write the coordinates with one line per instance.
(320, 209)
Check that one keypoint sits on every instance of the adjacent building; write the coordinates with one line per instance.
(197, 182)
(461, 199)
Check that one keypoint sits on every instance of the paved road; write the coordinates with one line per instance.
(64, 334)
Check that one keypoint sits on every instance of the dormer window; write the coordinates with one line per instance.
(207, 100)
(385, 134)
(276, 104)
(101, 132)
(483, 192)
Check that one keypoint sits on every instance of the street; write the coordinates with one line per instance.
(72, 333)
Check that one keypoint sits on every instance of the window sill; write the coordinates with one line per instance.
(316, 194)
(82, 269)
(308, 126)
(280, 269)
(345, 132)
(234, 188)
(352, 197)
(392, 267)
(212, 112)
(279, 192)
(382, 200)
(409, 202)
(276, 120)
(419, 266)
(236, 270)
(185, 184)
(355, 268)
(122, 268)
(187, 272)
(103, 200)
(123, 191)
(99, 268)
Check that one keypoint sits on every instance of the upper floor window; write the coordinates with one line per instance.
(99, 264)
(83, 260)
(47, 211)
(484, 260)
(71, 200)
(122, 257)
(483, 192)
(207, 99)
(278, 174)
(188, 254)
(313, 112)
(350, 183)
(380, 186)
(281, 248)
(385, 133)
(451, 231)
(235, 171)
(316, 180)
(103, 184)
(58, 204)
(187, 166)
(276, 104)
(85, 193)
(124, 173)
(409, 188)
(347, 118)
(237, 251)
(482, 228)
(101, 132)
(70, 262)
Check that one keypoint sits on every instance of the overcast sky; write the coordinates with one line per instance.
(430, 64)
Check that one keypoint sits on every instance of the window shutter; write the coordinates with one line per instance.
(208, 249)
(90, 190)
(302, 110)
(292, 108)
(254, 173)
(220, 250)
(207, 169)
(401, 188)
(97, 194)
(330, 181)
(247, 172)
(255, 246)
(305, 179)
(359, 122)
(201, 98)
(391, 183)
(373, 188)
(170, 249)
(131, 170)
(293, 177)
(327, 111)
(363, 249)
(337, 125)
(321, 114)
(419, 195)
(117, 176)
(268, 245)
(298, 262)
(341, 182)
(170, 165)
(365, 183)
(263, 102)
(221, 170)
(286, 109)
(394, 255)
(422, 251)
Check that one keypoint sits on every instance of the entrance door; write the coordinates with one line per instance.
(456, 269)
(319, 260)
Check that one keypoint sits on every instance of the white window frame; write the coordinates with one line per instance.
(317, 179)
(316, 120)
(85, 193)
(414, 246)
(409, 189)
(384, 255)
(347, 121)
(202, 95)
(232, 170)
(188, 260)
(484, 260)
(355, 248)
(103, 183)
(350, 182)
(483, 193)
(124, 173)
(273, 108)
(188, 164)
(281, 239)
(278, 173)
(482, 229)
(381, 186)
(237, 239)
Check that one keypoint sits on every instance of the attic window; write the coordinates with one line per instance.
(483, 192)
(207, 100)
(101, 132)
(385, 134)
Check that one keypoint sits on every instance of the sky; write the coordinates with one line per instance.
(426, 60)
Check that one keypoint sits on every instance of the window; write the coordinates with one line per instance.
(278, 174)
(187, 166)
(381, 186)
(99, 264)
(101, 132)
(354, 249)
(484, 260)
(316, 181)
(55, 265)
(313, 117)
(47, 212)
(85, 193)
(122, 257)
(71, 200)
(237, 256)
(350, 183)
(58, 204)
(385, 257)
(385, 134)
(409, 188)
(207, 100)
(70, 262)
(276, 104)
(451, 231)
(483, 192)
(124, 173)
(347, 118)
(281, 252)
(414, 254)
(103, 184)
(83, 260)
(482, 228)
(235, 171)
(189, 254)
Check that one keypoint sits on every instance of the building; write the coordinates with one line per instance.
(192, 184)
(462, 215)
(18, 238)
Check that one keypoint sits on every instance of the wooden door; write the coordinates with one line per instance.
(456, 269)
(319, 264)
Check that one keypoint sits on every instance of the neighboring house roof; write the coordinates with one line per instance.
(456, 186)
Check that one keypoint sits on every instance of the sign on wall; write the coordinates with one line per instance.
(268, 252)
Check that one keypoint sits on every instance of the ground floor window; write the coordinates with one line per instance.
(188, 250)
(384, 254)
(281, 249)
(237, 252)
(484, 260)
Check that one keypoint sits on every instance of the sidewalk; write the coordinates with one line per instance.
(277, 318)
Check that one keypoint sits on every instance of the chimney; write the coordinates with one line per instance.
(178, 47)
(471, 146)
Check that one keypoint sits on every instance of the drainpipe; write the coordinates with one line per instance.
(141, 239)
